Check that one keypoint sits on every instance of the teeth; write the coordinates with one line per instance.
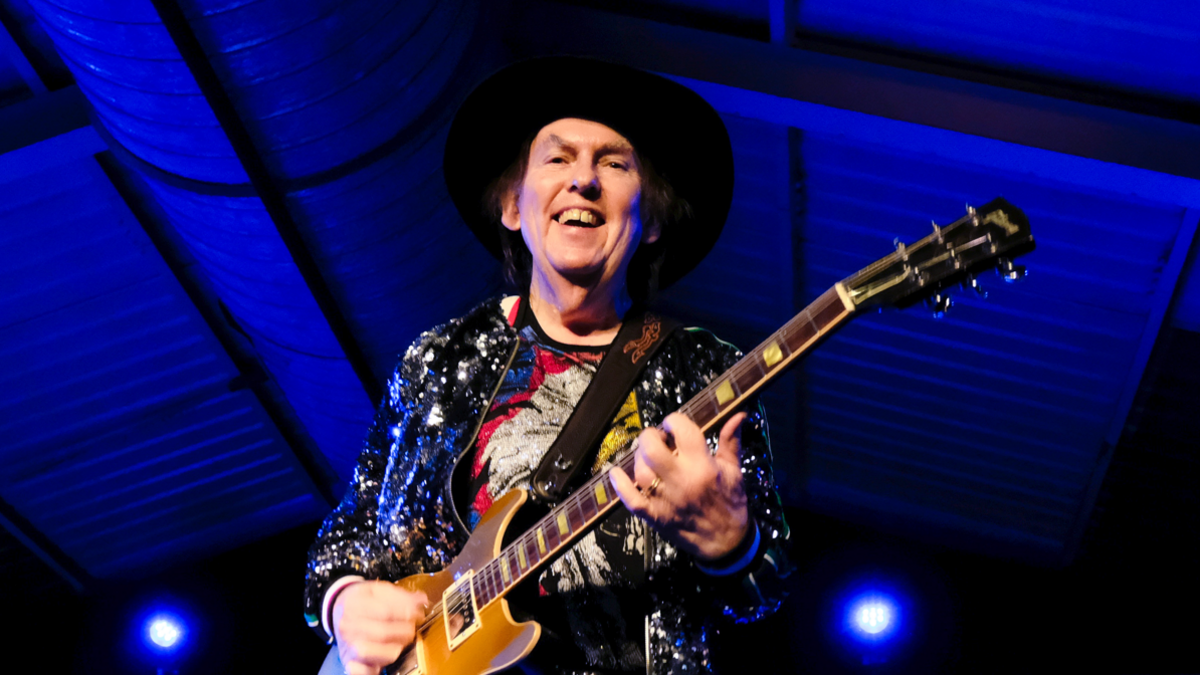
(580, 215)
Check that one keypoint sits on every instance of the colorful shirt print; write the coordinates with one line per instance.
(589, 595)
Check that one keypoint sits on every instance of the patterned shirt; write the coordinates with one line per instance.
(588, 599)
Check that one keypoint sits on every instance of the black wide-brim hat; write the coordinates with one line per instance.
(665, 121)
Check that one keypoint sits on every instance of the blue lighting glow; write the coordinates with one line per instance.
(165, 632)
(872, 616)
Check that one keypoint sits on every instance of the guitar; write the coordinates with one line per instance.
(470, 630)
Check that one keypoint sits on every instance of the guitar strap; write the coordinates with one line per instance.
(640, 336)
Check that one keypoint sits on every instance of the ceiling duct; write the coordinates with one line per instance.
(295, 146)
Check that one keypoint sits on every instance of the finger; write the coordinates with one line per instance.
(380, 634)
(729, 444)
(374, 654)
(366, 657)
(654, 453)
(689, 440)
(628, 493)
(642, 475)
(387, 602)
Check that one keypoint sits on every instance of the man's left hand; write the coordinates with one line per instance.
(693, 498)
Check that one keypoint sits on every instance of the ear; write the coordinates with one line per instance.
(651, 231)
(510, 217)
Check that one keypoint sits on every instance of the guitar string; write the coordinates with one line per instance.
(690, 408)
(626, 462)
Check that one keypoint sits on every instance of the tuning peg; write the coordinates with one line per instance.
(939, 304)
(1009, 272)
(972, 283)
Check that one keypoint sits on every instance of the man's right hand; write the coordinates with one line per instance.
(373, 622)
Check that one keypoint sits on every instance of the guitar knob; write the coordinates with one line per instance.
(939, 304)
(972, 283)
(1009, 272)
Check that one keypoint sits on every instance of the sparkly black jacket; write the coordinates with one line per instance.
(398, 517)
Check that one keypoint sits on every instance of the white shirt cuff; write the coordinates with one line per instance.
(330, 596)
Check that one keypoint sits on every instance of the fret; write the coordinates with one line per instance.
(574, 516)
(601, 494)
(531, 551)
(801, 333)
(746, 377)
(564, 523)
(541, 542)
(505, 574)
(552, 537)
(514, 561)
(521, 555)
(587, 505)
(828, 315)
(482, 588)
(775, 351)
(725, 392)
(495, 589)
(701, 415)
(583, 517)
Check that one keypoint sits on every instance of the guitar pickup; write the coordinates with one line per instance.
(460, 611)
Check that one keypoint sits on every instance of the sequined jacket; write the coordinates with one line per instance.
(398, 518)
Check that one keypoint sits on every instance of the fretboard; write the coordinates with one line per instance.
(579, 512)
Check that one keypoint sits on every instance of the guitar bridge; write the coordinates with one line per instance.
(460, 612)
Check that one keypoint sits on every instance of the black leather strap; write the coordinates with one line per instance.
(640, 336)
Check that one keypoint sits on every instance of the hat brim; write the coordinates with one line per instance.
(665, 121)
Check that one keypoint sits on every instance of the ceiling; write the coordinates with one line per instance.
(223, 220)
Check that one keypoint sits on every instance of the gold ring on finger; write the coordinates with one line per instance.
(653, 486)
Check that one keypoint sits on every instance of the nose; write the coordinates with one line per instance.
(585, 181)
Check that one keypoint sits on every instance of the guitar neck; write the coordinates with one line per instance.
(583, 509)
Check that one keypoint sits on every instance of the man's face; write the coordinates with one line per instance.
(578, 207)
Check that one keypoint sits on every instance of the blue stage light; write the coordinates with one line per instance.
(165, 632)
(872, 616)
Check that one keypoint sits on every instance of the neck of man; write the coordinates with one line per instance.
(578, 314)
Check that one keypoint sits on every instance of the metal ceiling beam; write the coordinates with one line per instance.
(12, 52)
(269, 192)
(42, 118)
(252, 374)
(1160, 305)
(970, 107)
(44, 549)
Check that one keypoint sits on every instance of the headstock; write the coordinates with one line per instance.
(989, 237)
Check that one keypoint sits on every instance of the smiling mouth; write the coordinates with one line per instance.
(579, 218)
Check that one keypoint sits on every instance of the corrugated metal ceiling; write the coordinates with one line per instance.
(124, 439)
(990, 425)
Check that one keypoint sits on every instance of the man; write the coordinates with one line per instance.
(599, 183)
